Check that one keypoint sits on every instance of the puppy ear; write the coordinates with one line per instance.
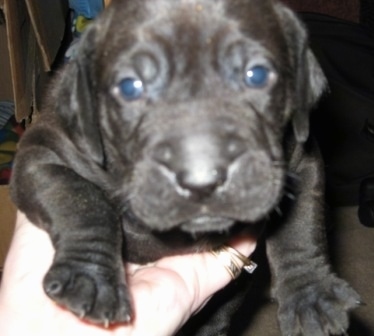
(309, 81)
(76, 98)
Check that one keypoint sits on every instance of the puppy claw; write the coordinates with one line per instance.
(106, 323)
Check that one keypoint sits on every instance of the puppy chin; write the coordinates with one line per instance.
(206, 224)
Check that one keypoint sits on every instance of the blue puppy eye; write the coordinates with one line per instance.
(257, 77)
(131, 88)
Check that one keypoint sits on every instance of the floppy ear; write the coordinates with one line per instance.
(309, 81)
(76, 98)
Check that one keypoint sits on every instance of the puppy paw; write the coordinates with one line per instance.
(89, 291)
(318, 309)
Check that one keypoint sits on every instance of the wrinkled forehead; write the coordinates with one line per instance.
(191, 29)
(177, 20)
(205, 19)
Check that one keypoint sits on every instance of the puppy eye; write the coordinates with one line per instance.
(131, 88)
(258, 76)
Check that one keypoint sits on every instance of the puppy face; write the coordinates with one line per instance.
(192, 101)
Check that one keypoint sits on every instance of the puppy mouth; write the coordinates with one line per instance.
(207, 224)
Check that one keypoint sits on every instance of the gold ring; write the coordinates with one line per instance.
(233, 260)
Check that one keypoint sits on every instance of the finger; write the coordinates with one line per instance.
(160, 297)
(203, 273)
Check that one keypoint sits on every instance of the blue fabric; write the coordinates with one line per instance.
(6, 112)
(87, 8)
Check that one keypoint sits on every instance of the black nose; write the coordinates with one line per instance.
(203, 182)
(198, 164)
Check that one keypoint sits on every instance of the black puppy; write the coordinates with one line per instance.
(177, 121)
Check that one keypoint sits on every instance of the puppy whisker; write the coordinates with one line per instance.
(278, 211)
(292, 176)
(290, 196)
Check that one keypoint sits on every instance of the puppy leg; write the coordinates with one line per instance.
(87, 274)
(312, 300)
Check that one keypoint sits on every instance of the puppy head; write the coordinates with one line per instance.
(187, 104)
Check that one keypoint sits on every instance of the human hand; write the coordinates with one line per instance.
(164, 294)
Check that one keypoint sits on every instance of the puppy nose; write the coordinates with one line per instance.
(202, 182)
(198, 164)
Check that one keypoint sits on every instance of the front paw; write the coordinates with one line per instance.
(92, 292)
(317, 309)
